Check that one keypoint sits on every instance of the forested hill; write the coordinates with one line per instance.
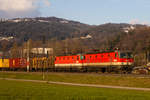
(88, 36)
(34, 28)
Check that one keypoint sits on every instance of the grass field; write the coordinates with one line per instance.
(12, 90)
(121, 80)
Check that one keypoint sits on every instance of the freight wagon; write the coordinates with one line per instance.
(40, 63)
(17, 63)
(4, 63)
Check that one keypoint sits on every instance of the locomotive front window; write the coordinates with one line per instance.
(126, 55)
(123, 55)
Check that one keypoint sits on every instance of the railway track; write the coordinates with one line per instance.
(87, 73)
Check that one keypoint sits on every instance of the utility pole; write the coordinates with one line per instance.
(28, 55)
(43, 66)
(147, 56)
(26, 39)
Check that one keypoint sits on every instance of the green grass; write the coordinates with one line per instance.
(122, 80)
(12, 90)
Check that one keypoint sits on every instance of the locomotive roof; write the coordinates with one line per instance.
(87, 53)
(95, 53)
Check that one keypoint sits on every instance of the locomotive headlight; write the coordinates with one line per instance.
(115, 60)
(77, 61)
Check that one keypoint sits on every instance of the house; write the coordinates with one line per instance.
(40, 50)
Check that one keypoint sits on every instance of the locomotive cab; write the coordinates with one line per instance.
(126, 58)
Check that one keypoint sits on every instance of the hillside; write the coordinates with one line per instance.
(36, 27)
(106, 36)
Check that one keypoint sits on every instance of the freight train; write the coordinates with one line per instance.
(104, 61)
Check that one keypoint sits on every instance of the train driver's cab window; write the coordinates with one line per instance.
(126, 55)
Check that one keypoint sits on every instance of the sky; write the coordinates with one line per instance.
(92, 12)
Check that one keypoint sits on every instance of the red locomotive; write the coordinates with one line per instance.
(99, 61)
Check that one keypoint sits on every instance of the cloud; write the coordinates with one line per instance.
(20, 8)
